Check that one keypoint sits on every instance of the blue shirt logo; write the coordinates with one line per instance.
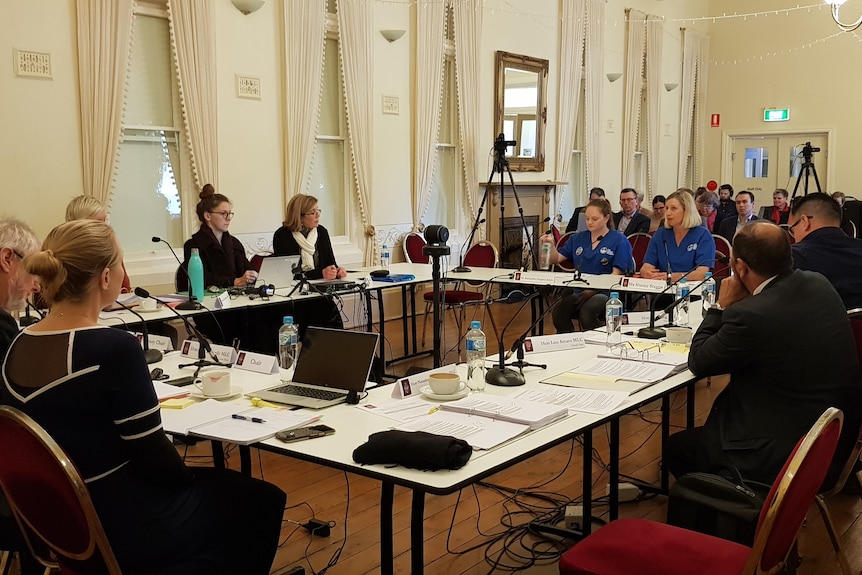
(606, 251)
(691, 248)
(579, 251)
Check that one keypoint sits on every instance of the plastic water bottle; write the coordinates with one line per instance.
(707, 292)
(384, 257)
(288, 346)
(682, 291)
(476, 357)
(614, 319)
(545, 256)
(196, 276)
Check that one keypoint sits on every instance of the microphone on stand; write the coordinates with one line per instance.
(151, 355)
(501, 375)
(653, 332)
(28, 320)
(518, 346)
(669, 272)
(462, 268)
(190, 305)
(667, 309)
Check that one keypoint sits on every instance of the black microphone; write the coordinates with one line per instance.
(518, 346)
(678, 300)
(151, 355)
(29, 320)
(204, 343)
(653, 332)
(500, 374)
(190, 305)
(462, 268)
(669, 272)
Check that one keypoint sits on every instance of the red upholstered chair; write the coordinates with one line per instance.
(49, 500)
(413, 244)
(629, 546)
(723, 252)
(556, 231)
(639, 243)
(565, 265)
(481, 255)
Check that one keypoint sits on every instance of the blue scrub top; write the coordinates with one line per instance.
(696, 249)
(613, 251)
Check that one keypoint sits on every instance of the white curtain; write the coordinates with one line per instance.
(468, 42)
(594, 82)
(355, 23)
(193, 38)
(430, 18)
(654, 89)
(104, 35)
(572, 32)
(304, 42)
(695, 63)
(633, 76)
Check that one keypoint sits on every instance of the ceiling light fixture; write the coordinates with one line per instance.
(248, 6)
(836, 6)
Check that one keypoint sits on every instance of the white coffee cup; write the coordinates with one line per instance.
(148, 304)
(214, 383)
(445, 383)
(677, 334)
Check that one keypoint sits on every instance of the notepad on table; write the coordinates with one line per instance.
(616, 374)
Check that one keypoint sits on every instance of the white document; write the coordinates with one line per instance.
(598, 401)
(401, 411)
(612, 374)
(245, 426)
(479, 432)
(530, 413)
(165, 391)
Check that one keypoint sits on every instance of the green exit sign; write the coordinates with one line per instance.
(774, 115)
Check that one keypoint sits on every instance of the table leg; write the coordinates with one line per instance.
(382, 323)
(614, 469)
(218, 454)
(665, 433)
(689, 406)
(417, 533)
(404, 318)
(245, 460)
(588, 482)
(387, 551)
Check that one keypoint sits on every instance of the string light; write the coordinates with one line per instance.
(783, 52)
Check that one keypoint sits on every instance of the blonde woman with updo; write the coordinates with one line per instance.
(89, 208)
(88, 385)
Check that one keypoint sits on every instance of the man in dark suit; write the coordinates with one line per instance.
(630, 220)
(728, 227)
(595, 193)
(778, 386)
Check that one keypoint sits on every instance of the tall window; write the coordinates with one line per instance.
(153, 162)
(575, 193)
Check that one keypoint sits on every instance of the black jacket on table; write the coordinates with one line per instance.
(223, 262)
(791, 355)
(283, 244)
(639, 223)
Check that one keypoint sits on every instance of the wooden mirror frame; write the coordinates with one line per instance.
(538, 66)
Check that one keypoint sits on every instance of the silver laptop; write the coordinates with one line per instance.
(278, 270)
(333, 367)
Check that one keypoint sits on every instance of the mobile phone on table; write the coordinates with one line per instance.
(301, 433)
(181, 381)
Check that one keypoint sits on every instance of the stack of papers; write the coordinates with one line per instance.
(523, 412)
(615, 374)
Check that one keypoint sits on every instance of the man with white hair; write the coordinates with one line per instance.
(17, 240)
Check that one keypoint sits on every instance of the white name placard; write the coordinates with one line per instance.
(410, 386)
(535, 278)
(224, 353)
(162, 343)
(643, 284)
(556, 342)
(223, 301)
(258, 362)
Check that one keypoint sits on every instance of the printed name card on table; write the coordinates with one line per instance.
(643, 284)
(224, 353)
(223, 301)
(162, 343)
(556, 342)
(257, 362)
(539, 278)
(410, 386)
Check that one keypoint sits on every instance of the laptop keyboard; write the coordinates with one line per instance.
(308, 392)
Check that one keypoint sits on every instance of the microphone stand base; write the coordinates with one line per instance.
(651, 332)
(460, 270)
(504, 377)
(188, 306)
(153, 355)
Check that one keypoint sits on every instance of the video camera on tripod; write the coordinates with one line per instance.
(501, 143)
(808, 151)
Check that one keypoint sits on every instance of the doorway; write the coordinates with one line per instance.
(761, 164)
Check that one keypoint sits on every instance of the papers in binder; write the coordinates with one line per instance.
(523, 412)
(613, 374)
(600, 402)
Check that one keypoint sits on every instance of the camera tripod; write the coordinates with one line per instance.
(807, 169)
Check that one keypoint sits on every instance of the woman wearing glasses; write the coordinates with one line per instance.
(303, 235)
(223, 256)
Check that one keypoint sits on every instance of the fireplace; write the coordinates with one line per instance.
(514, 253)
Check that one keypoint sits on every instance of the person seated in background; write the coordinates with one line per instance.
(89, 386)
(780, 209)
(630, 220)
(776, 392)
(658, 208)
(727, 206)
(222, 255)
(598, 250)
(572, 226)
(683, 246)
(707, 207)
(89, 208)
(744, 214)
(303, 235)
(821, 246)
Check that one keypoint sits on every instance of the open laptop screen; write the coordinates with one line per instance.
(335, 358)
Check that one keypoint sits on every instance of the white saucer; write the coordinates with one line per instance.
(139, 309)
(234, 391)
(463, 392)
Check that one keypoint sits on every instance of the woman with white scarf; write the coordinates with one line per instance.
(303, 235)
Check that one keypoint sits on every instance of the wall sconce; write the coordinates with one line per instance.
(670, 86)
(614, 76)
(248, 6)
(392, 35)
(836, 6)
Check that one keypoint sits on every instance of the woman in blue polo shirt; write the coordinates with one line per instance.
(682, 246)
(597, 250)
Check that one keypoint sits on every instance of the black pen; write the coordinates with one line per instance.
(251, 419)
